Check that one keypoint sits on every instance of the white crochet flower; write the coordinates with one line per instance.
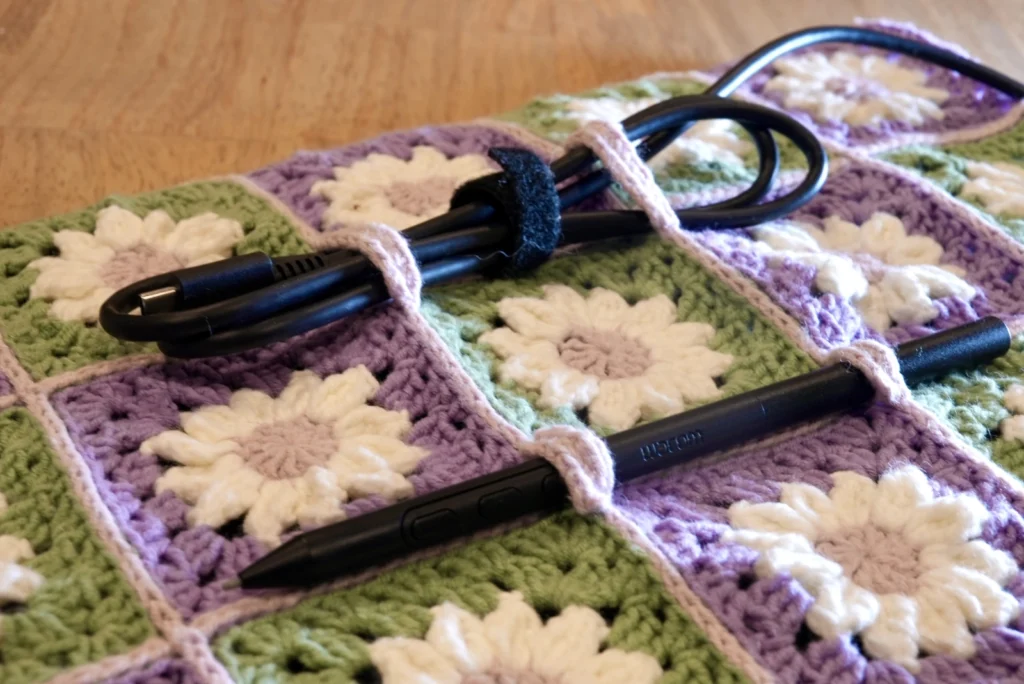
(999, 187)
(511, 644)
(886, 561)
(17, 583)
(1013, 427)
(857, 89)
(625, 363)
(293, 459)
(890, 276)
(125, 248)
(707, 141)
(399, 193)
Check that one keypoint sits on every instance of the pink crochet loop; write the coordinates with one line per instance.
(879, 363)
(389, 252)
(608, 141)
(582, 460)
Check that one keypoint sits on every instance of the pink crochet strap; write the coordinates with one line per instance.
(608, 141)
(879, 363)
(389, 252)
(582, 460)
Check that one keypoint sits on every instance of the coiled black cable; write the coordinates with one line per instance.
(254, 300)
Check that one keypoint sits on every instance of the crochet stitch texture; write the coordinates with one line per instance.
(881, 546)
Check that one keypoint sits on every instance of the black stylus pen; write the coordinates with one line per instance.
(535, 487)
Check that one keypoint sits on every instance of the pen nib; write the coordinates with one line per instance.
(233, 583)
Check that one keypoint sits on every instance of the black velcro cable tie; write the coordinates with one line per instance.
(524, 193)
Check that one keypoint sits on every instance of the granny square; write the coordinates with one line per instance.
(884, 545)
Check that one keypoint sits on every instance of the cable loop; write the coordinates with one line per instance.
(608, 141)
(249, 301)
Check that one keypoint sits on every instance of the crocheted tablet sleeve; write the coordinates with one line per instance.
(880, 546)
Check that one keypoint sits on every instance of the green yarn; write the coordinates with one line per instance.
(1007, 146)
(46, 346)
(85, 610)
(550, 117)
(946, 167)
(561, 561)
(697, 176)
(461, 313)
(972, 403)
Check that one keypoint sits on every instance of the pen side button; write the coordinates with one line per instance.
(502, 505)
(554, 488)
(435, 526)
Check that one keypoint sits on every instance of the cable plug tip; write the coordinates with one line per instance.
(161, 300)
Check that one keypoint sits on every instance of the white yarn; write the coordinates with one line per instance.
(125, 248)
(711, 141)
(17, 583)
(511, 643)
(858, 89)
(288, 460)
(624, 363)
(1013, 427)
(998, 186)
(957, 578)
(397, 192)
(890, 276)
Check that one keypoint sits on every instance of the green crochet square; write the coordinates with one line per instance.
(84, 610)
(461, 313)
(46, 346)
(562, 561)
(972, 403)
(946, 167)
(552, 117)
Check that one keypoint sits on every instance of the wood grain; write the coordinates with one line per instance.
(103, 96)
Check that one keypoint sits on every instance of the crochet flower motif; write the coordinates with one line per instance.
(858, 89)
(511, 644)
(998, 187)
(293, 459)
(125, 248)
(886, 561)
(1013, 427)
(707, 141)
(891, 277)
(17, 583)
(399, 193)
(624, 363)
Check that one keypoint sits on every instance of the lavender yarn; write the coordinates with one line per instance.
(969, 104)
(854, 193)
(685, 512)
(166, 671)
(110, 417)
(291, 180)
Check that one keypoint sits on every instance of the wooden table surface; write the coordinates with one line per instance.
(102, 96)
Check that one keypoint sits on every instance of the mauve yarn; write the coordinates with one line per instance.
(685, 511)
(108, 419)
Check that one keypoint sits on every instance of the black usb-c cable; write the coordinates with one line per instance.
(254, 300)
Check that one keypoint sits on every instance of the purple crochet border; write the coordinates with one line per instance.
(684, 512)
(854, 193)
(109, 418)
(970, 103)
(291, 180)
(166, 671)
